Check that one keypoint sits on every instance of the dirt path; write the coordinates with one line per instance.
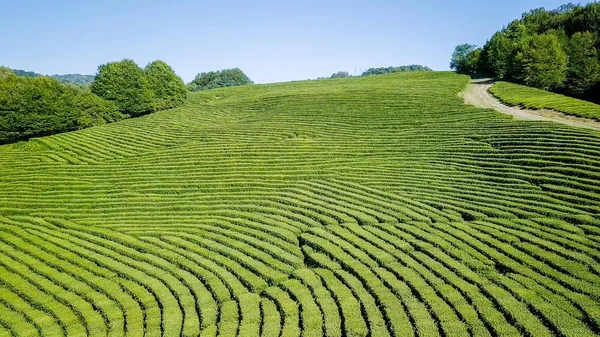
(477, 94)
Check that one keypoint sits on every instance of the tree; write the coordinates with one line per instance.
(583, 19)
(472, 65)
(39, 106)
(219, 79)
(168, 88)
(540, 62)
(460, 60)
(340, 74)
(539, 20)
(23, 73)
(124, 83)
(5, 72)
(528, 50)
(77, 79)
(496, 57)
(399, 69)
(583, 67)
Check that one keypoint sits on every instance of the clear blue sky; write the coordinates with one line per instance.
(271, 41)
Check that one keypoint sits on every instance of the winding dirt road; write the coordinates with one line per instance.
(477, 94)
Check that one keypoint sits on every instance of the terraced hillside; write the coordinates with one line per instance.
(532, 98)
(377, 206)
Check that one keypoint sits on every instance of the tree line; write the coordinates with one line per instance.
(383, 70)
(219, 79)
(77, 79)
(40, 106)
(554, 50)
(34, 106)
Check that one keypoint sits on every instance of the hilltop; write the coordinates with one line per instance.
(371, 206)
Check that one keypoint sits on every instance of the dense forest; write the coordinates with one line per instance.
(32, 105)
(554, 50)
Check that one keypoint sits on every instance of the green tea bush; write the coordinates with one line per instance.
(371, 206)
(532, 98)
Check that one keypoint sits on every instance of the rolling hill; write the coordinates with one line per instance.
(372, 206)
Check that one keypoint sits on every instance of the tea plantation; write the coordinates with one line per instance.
(532, 98)
(371, 206)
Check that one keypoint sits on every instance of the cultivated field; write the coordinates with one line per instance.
(532, 98)
(376, 206)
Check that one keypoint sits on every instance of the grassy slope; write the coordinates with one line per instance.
(381, 203)
(532, 98)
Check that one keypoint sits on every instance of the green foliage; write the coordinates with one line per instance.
(76, 79)
(23, 73)
(465, 58)
(472, 64)
(539, 20)
(125, 84)
(6, 72)
(340, 74)
(37, 106)
(496, 57)
(540, 62)
(371, 206)
(583, 19)
(532, 98)
(219, 79)
(168, 88)
(584, 68)
(390, 70)
(528, 50)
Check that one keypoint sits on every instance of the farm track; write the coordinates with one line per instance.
(380, 206)
(477, 94)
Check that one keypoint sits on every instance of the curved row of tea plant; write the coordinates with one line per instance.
(376, 206)
(532, 98)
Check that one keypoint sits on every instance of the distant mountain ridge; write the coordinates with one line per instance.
(77, 79)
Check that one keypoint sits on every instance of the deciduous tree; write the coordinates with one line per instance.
(168, 88)
(540, 62)
(583, 67)
(124, 83)
(460, 58)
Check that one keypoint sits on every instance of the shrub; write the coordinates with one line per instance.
(125, 84)
(219, 79)
(168, 88)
